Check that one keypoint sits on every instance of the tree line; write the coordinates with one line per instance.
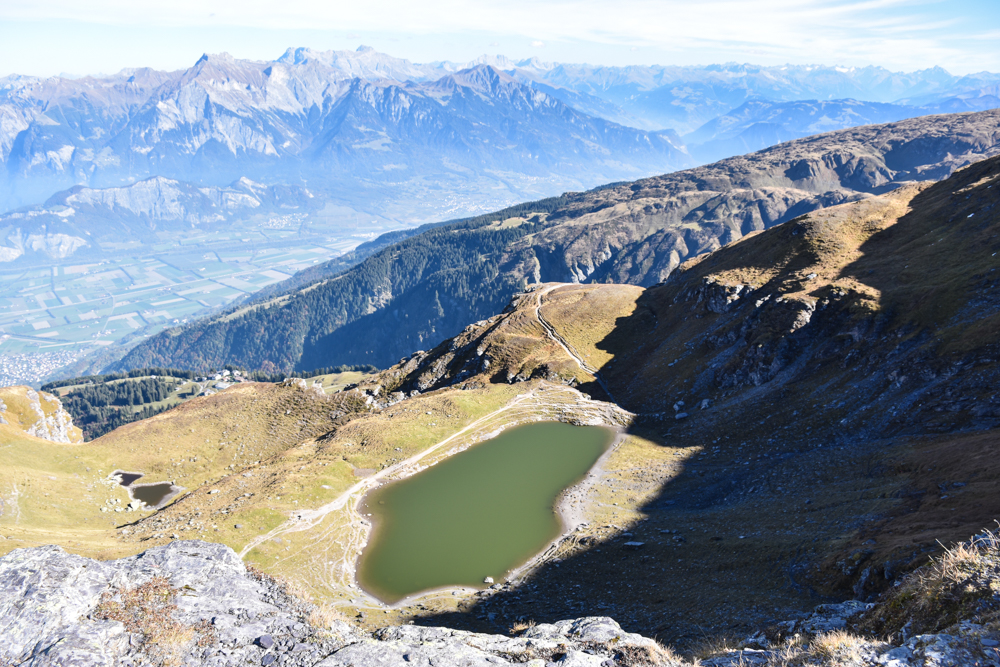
(104, 406)
(122, 375)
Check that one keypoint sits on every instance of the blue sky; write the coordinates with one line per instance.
(45, 37)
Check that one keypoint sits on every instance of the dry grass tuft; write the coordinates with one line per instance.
(326, 617)
(958, 585)
(655, 655)
(290, 587)
(834, 649)
(838, 648)
(520, 627)
(148, 610)
(713, 647)
(296, 589)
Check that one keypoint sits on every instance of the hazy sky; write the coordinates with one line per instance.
(43, 37)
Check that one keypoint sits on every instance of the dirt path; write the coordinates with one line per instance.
(554, 335)
(306, 519)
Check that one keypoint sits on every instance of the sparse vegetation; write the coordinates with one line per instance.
(838, 648)
(520, 627)
(148, 609)
(959, 584)
(325, 617)
(712, 646)
(646, 656)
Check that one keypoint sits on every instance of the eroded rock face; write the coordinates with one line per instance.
(39, 414)
(56, 426)
(49, 615)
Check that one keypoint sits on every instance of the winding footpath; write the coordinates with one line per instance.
(554, 335)
(351, 533)
(306, 519)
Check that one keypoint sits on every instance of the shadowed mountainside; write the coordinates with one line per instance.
(413, 294)
(834, 380)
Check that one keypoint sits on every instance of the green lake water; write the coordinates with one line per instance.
(477, 514)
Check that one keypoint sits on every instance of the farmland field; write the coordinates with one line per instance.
(53, 315)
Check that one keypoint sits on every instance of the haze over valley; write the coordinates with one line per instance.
(120, 188)
(344, 359)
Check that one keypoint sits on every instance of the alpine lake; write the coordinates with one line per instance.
(477, 514)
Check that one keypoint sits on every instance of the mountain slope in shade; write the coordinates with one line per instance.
(835, 378)
(413, 294)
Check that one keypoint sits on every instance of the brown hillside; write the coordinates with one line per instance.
(838, 378)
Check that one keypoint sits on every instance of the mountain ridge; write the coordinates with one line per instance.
(252, 114)
(409, 296)
(311, 124)
(80, 219)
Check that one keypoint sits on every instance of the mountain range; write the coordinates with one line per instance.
(412, 294)
(382, 133)
(409, 148)
(758, 123)
(76, 221)
(684, 98)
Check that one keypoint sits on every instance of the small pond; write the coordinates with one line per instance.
(153, 495)
(477, 514)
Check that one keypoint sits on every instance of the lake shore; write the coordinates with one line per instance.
(571, 507)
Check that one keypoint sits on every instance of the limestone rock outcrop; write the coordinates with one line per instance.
(61, 609)
(37, 413)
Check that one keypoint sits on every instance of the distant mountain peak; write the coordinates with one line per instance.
(215, 58)
(499, 61)
(364, 49)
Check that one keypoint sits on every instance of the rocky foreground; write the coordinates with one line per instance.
(196, 603)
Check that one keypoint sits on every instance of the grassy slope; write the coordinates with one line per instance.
(195, 444)
(814, 436)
